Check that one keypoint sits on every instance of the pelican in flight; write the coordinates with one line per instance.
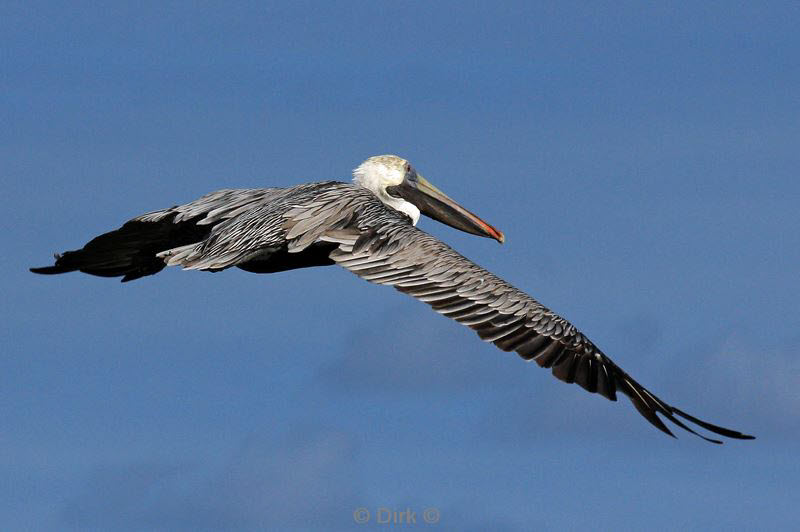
(369, 228)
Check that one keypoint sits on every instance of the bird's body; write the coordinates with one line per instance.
(367, 227)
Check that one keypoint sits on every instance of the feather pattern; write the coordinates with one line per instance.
(429, 270)
(273, 229)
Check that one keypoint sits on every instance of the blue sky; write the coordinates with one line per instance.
(641, 159)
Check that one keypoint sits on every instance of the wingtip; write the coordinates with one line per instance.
(47, 270)
(55, 268)
(716, 429)
(651, 406)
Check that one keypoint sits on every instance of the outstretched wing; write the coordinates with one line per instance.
(348, 225)
(421, 266)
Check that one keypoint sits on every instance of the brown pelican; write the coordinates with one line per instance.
(369, 228)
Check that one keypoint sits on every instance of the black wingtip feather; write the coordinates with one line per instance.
(129, 252)
(49, 270)
(650, 406)
(649, 413)
(722, 431)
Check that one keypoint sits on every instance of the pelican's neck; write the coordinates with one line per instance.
(401, 205)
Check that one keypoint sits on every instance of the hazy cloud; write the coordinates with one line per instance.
(417, 351)
(306, 479)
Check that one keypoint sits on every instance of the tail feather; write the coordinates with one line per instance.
(131, 251)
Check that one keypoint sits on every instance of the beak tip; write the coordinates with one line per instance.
(501, 237)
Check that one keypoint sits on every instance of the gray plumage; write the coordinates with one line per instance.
(275, 229)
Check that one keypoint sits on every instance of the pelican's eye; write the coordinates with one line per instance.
(411, 174)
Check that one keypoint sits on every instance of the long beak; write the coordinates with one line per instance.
(434, 203)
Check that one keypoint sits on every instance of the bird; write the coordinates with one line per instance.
(368, 227)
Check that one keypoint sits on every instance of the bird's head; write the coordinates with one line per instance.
(395, 182)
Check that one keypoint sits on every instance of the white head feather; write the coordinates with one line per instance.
(382, 171)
